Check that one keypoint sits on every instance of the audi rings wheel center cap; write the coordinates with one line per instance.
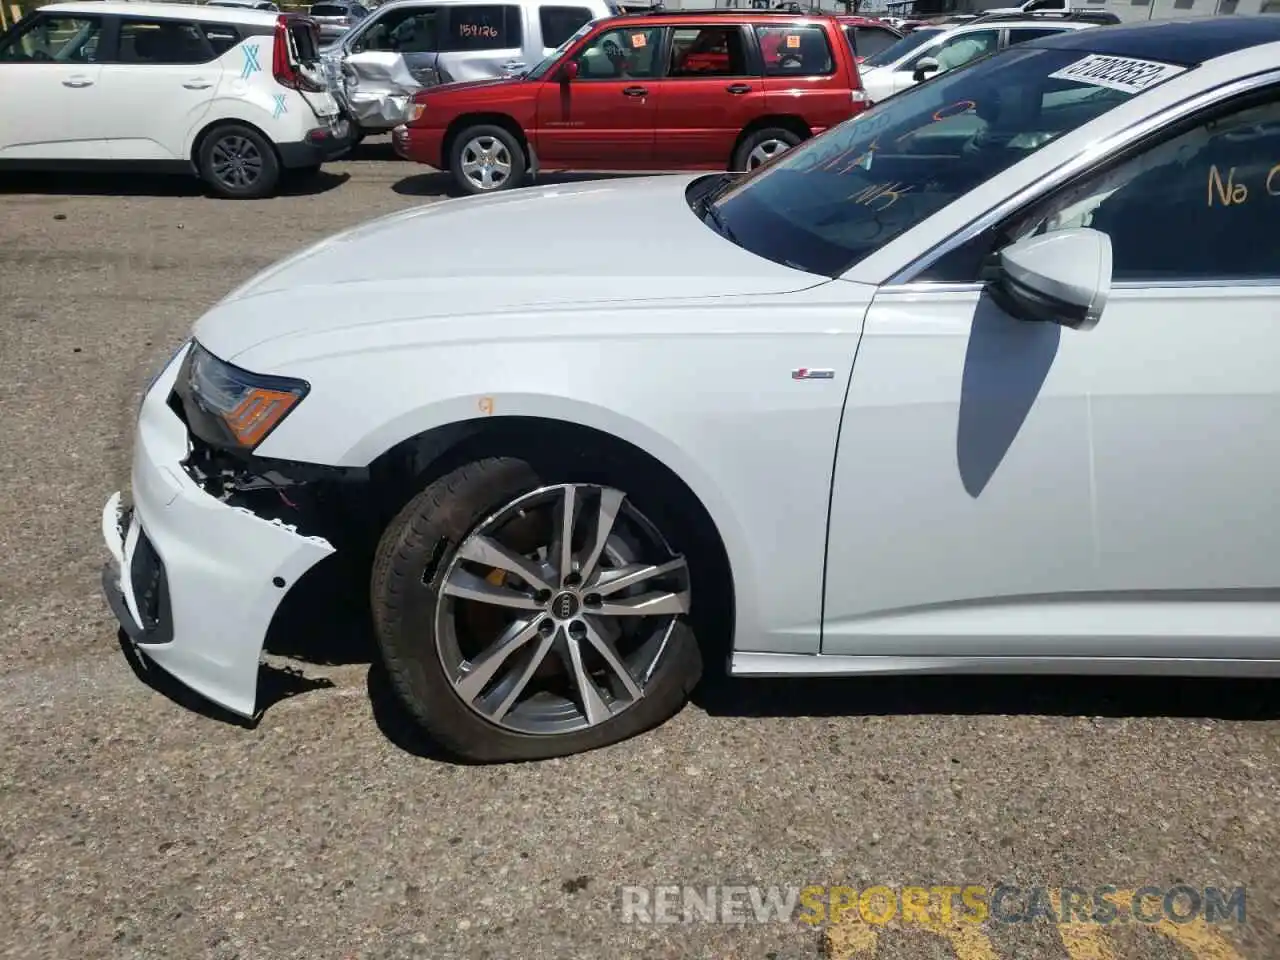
(565, 606)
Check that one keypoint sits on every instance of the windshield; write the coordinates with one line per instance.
(823, 206)
(895, 52)
(547, 62)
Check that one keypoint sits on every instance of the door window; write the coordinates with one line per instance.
(623, 54)
(795, 51)
(1200, 206)
(483, 28)
(560, 23)
(708, 52)
(415, 30)
(54, 38)
(1023, 34)
(868, 41)
(161, 42)
(958, 51)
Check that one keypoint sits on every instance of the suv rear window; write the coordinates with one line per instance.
(328, 10)
(560, 23)
(795, 51)
(483, 28)
(221, 36)
(306, 41)
(868, 41)
(161, 42)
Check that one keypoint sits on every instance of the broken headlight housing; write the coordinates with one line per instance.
(229, 407)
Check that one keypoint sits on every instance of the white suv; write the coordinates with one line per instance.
(233, 96)
(930, 50)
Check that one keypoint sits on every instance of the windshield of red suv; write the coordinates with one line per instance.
(896, 51)
(825, 205)
(549, 61)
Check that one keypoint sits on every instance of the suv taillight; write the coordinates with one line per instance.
(282, 67)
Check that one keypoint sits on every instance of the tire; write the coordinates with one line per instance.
(504, 151)
(763, 144)
(426, 555)
(259, 172)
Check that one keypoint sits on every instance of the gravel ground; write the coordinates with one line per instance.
(135, 822)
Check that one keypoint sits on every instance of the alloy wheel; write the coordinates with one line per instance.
(486, 162)
(236, 162)
(765, 151)
(557, 610)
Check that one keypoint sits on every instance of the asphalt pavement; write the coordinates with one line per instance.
(135, 822)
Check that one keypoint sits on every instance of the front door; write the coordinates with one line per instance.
(1006, 488)
(712, 91)
(170, 66)
(605, 118)
(52, 108)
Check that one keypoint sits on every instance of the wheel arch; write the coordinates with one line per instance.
(406, 466)
(193, 155)
(787, 121)
(481, 118)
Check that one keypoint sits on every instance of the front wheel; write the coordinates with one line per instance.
(762, 146)
(522, 617)
(238, 163)
(485, 159)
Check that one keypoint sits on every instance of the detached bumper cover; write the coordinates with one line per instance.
(195, 582)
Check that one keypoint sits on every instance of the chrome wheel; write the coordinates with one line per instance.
(486, 162)
(236, 162)
(557, 610)
(764, 151)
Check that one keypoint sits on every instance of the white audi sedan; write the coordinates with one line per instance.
(984, 380)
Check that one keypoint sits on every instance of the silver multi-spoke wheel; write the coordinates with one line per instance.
(766, 150)
(556, 611)
(486, 162)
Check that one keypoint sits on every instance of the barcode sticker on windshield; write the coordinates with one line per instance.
(1118, 73)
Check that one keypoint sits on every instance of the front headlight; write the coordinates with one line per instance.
(230, 407)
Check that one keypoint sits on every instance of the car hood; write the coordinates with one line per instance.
(526, 250)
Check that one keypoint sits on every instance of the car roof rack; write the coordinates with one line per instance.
(1069, 16)
(780, 9)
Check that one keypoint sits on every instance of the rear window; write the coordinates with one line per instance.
(483, 28)
(221, 36)
(328, 10)
(560, 23)
(868, 41)
(161, 42)
(306, 42)
(795, 51)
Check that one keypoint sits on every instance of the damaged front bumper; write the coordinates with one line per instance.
(194, 580)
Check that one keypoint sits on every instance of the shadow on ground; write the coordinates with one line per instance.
(1086, 696)
(275, 684)
(65, 184)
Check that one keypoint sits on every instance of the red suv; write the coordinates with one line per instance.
(696, 90)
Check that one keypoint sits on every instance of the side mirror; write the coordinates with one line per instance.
(924, 67)
(1062, 277)
(569, 71)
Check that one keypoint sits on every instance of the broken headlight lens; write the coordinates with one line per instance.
(234, 408)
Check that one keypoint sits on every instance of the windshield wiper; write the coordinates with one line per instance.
(709, 212)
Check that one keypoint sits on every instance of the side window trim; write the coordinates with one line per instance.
(1110, 148)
